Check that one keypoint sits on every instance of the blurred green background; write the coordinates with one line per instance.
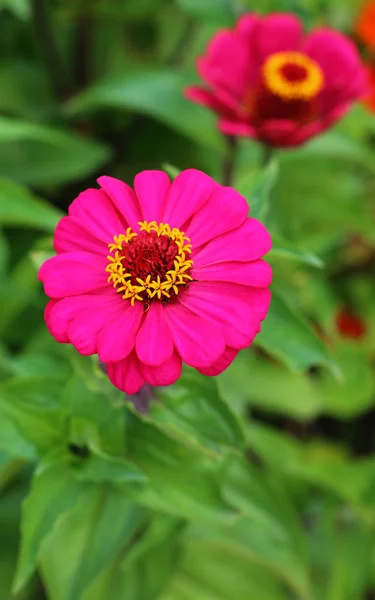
(256, 485)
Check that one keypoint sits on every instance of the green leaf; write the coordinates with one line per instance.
(255, 380)
(218, 12)
(182, 482)
(39, 155)
(19, 291)
(32, 405)
(20, 208)
(158, 94)
(100, 468)
(20, 8)
(287, 250)
(256, 187)
(342, 551)
(217, 571)
(266, 530)
(192, 411)
(87, 539)
(54, 492)
(354, 395)
(141, 571)
(288, 337)
(101, 417)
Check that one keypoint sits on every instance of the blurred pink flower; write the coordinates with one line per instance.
(266, 80)
(149, 278)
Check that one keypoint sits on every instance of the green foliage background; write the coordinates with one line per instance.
(259, 484)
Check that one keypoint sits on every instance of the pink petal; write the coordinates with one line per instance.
(165, 374)
(277, 132)
(225, 210)
(198, 342)
(117, 338)
(276, 33)
(124, 199)
(78, 319)
(217, 101)
(154, 344)
(228, 64)
(246, 26)
(246, 243)
(94, 210)
(337, 56)
(223, 363)
(237, 128)
(126, 375)
(220, 305)
(152, 188)
(71, 236)
(256, 273)
(189, 191)
(59, 333)
(73, 273)
(304, 133)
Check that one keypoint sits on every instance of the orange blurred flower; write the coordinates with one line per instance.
(365, 24)
(369, 100)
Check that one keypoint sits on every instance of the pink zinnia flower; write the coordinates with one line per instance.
(266, 80)
(149, 278)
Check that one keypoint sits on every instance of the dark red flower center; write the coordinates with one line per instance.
(153, 264)
(290, 84)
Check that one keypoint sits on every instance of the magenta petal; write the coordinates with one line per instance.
(217, 101)
(124, 199)
(73, 273)
(189, 191)
(81, 317)
(228, 64)
(304, 133)
(70, 236)
(95, 211)
(229, 210)
(246, 26)
(223, 363)
(126, 375)
(277, 33)
(237, 128)
(154, 343)
(256, 273)
(165, 374)
(246, 243)
(232, 314)
(337, 56)
(152, 188)
(198, 342)
(58, 329)
(277, 132)
(117, 338)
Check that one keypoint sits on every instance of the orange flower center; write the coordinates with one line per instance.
(152, 264)
(292, 76)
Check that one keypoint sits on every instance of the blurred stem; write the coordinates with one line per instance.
(41, 14)
(82, 53)
(178, 54)
(229, 161)
(267, 155)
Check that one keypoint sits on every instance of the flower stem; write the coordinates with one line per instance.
(49, 50)
(267, 155)
(229, 161)
(142, 399)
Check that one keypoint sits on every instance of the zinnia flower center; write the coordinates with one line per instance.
(153, 264)
(292, 76)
